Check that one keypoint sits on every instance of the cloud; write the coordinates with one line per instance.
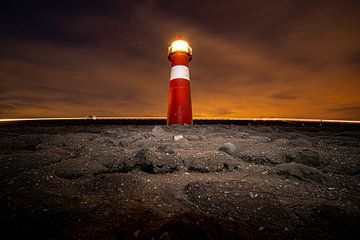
(257, 59)
(353, 58)
(350, 111)
(282, 96)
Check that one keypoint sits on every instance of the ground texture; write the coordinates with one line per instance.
(180, 182)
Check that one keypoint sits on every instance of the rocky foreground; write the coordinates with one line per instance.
(180, 182)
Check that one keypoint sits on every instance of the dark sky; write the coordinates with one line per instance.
(250, 58)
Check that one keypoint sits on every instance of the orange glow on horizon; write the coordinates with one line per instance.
(196, 118)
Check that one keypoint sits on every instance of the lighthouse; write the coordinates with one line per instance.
(179, 101)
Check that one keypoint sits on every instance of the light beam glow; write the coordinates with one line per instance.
(180, 46)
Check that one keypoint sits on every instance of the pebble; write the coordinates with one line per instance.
(178, 137)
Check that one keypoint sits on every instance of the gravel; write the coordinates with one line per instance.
(214, 182)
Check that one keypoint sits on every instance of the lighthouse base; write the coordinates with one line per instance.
(179, 108)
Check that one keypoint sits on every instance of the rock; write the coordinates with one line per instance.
(193, 137)
(257, 159)
(211, 162)
(119, 161)
(166, 149)
(299, 171)
(251, 194)
(149, 161)
(262, 160)
(157, 130)
(306, 156)
(228, 148)
(178, 137)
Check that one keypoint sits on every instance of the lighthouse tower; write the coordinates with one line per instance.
(179, 101)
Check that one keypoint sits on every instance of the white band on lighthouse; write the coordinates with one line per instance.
(180, 71)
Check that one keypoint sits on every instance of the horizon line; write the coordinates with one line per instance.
(94, 118)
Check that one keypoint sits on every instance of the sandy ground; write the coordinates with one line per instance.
(180, 182)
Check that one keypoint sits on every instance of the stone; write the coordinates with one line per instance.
(149, 161)
(262, 160)
(299, 171)
(178, 137)
(211, 162)
(228, 148)
(166, 149)
(193, 137)
(306, 157)
(157, 130)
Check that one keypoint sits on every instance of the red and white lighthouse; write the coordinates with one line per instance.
(179, 101)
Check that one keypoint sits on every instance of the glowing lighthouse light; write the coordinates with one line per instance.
(180, 46)
(179, 102)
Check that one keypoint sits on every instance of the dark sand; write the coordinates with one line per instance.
(112, 181)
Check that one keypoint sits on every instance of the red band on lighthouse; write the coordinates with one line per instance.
(179, 102)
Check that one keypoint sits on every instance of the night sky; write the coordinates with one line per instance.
(296, 59)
